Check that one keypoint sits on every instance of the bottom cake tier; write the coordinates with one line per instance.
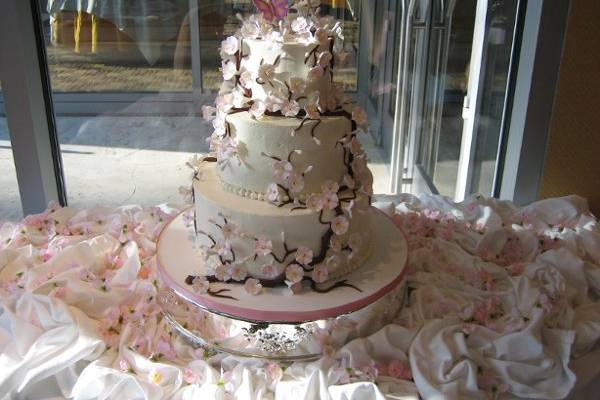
(243, 237)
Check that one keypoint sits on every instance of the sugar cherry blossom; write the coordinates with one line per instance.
(238, 272)
(230, 45)
(330, 201)
(297, 86)
(222, 247)
(320, 273)
(246, 79)
(273, 103)
(266, 72)
(330, 186)
(290, 108)
(200, 285)
(258, 109)
(253, 286)
(228, 69)
(335, 244)
(312, 111)
(263, 246)
(299, 25)
(315, 202)
(294, 273)
(322, 36)
(269, 271)
(223, 273)
(273, 192)
(190, 376)
(304, 255)
(250, 30)
(282, 169)
(316, 72)
(295, 182)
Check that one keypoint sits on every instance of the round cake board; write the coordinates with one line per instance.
(178, 256)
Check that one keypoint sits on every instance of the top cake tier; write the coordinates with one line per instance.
(276, 73)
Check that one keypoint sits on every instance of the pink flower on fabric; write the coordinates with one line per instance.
(165, 348)
(253, 286)
(274, 371)
(263, 246)
(190, 376)
(304, 255)
(320, 273)
(399, 370)
(294, 273)
(339, 225)
(124, 365)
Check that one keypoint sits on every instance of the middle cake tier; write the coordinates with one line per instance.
(312, 147)
(240, 236)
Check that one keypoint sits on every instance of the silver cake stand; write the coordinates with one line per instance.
(275, 324)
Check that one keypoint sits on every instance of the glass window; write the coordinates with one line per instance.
(10, 199)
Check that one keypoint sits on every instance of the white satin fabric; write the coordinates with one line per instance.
(503, 303)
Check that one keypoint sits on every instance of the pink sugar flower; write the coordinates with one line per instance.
(304, 255)
(263, 246)
(320, 273)
(399, 370)
(253, 286)
(339, 225)
(294, 273)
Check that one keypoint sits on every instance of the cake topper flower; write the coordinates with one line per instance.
(272, 9)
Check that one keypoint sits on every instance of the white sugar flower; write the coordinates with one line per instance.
(273, 192)
(330, 186)
(239, 98)
(330, 201)
(282, 169)
(238, 272)
(200, 285)
(230, 46)
(250, 30)
(295, 182)
(290, 108)
(359, 115)
(320, 273)
(269, 271)
(324, 59)
(258, 109)
(208, 112)
(312, 111)
(222, 247)
(315, 202)
(300, 24)
(246, 79)
(253, 286)
(339, 225)
(304, 255)
(294, 273)
(263, 246)
(223, 273)
(266, 72)
(219, 125)
(297, 86)
(229, 70)
(273, 103)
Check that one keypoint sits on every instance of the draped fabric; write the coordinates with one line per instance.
(503, 303)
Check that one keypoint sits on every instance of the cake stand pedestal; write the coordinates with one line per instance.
(276, 324)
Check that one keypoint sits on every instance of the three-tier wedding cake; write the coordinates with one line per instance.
(284, 196)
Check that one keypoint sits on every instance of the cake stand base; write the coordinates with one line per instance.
(276, 324)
